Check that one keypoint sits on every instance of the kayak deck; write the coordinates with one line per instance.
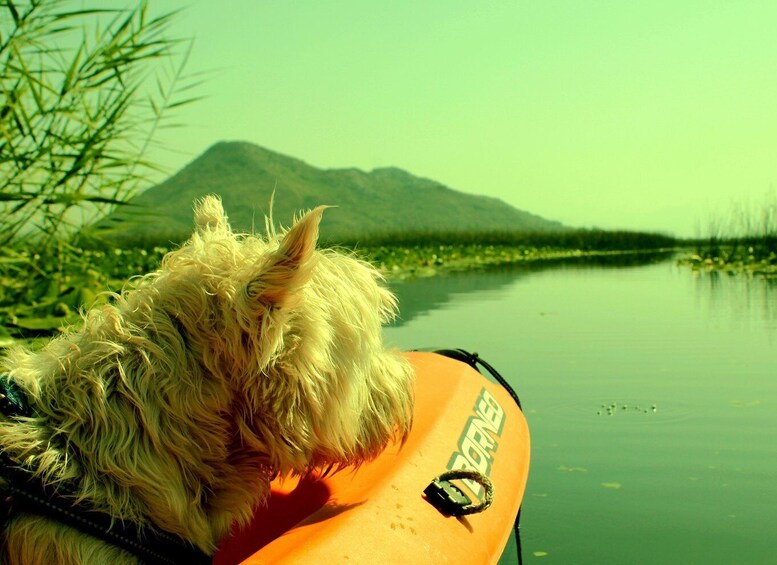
(378, 513)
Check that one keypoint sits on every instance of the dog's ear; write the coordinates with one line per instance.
(209, 216)
(288, 268)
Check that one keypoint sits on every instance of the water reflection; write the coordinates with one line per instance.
(420, 296)
(685, 456)
(737, 296)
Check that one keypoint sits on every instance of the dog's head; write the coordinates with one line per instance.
(240, 358)
(295, 333)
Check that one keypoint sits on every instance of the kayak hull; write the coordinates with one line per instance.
(378, 513)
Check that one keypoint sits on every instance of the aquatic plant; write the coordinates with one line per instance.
(744, 239)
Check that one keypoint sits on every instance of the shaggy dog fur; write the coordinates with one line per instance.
(241, 359)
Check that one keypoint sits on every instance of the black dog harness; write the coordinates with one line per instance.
(22, 492)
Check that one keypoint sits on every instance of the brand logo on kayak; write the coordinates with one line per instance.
(478, 443)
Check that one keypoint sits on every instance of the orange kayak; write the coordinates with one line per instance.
(379, 513)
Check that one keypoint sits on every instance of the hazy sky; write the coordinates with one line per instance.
(617, 114)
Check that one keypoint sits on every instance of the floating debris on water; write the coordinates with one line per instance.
(612, 409)
(745, 404)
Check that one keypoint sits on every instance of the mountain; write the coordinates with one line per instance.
(382, 201)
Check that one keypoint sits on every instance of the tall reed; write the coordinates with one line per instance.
(83, 92)
(747, 232)
(77, 115)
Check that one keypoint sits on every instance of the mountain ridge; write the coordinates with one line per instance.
(369, 203)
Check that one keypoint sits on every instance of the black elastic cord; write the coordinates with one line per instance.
(473, 359)
(22, 491)
(13, 400)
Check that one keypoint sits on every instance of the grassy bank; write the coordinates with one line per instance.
(431, 260)
(742, 241)
(751, 257)
(41, 294)
(428, 254)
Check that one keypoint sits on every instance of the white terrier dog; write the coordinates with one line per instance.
(173, 407)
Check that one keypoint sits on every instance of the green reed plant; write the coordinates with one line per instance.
(746, 233)
(83, 92)
(77, 114)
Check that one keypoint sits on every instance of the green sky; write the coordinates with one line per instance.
(636, 114)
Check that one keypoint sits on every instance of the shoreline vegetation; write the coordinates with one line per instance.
(742, 241)
(400, 263)
(730, 262)
(42, 292)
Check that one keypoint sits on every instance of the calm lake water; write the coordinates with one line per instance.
(651, 394)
